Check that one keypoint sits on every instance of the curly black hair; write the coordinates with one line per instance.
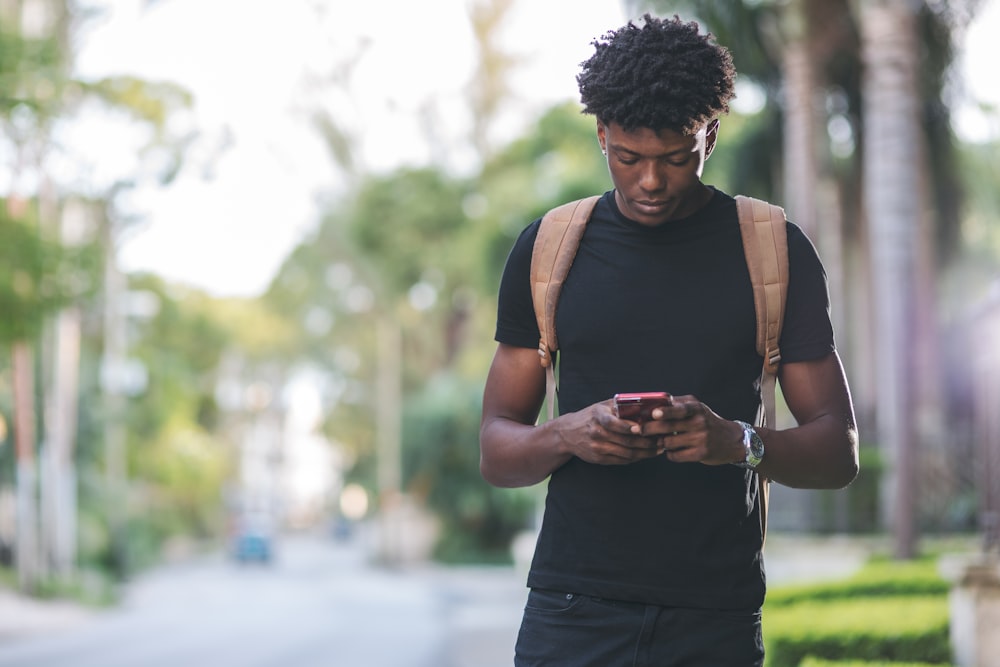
(663, 75)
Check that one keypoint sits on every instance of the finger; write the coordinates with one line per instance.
(681, 454)
(691, 409)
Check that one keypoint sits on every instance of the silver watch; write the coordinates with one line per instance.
(752, 445)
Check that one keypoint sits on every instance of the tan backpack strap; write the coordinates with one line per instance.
(555, 248)
(764, 490)
(765, 245)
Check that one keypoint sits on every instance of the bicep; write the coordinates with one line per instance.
(515, 386)
(816, 389)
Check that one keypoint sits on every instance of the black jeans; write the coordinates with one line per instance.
(566, 630)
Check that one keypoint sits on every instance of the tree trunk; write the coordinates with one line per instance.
(800, 157)
(27, 470)
(891, 178)
(114, 400)
(23, 372)
(388, 432)
(59, 478)
(62, 368)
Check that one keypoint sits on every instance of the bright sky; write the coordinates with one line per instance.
(253, 67)
(256, 68)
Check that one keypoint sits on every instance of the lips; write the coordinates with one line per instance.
(650, 207)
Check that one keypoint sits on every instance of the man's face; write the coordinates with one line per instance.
(657, 175)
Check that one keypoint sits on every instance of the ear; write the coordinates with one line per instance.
(711, 134)
(602, 138)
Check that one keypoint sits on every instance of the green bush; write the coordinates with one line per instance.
(441, 466)
(816, 662)
(898, 628)
(878, 578)
(890, 612)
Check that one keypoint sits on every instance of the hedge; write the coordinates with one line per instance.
(876, 579)
(896, 628)
(816, 662)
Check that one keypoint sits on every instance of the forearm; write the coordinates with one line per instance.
(822, 451)
(514, 454)
(822, 454)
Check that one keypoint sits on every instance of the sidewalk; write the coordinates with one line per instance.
(23, 616)
(794, 558)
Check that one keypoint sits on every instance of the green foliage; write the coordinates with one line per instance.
(558, 162)
(816, 662)
(178, 457)
(907, 629)
(862, 496)
(879, 578)
(28, 70)
(91, 588)
(151, 102)
(405, 224)
(441, 464)
(980, 169)
(180, 347)
(183, 473)
(39, 276)
(889, 611)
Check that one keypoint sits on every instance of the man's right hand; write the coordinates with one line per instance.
(596, 435)
(516, 452)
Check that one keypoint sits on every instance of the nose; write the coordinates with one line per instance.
(651, 177)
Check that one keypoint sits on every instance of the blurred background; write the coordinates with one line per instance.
(250, 253)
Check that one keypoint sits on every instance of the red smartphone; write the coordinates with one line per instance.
(638, 406)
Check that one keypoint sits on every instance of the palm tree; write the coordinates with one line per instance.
(892, 178)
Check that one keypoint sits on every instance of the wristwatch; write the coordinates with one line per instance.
(753, 446)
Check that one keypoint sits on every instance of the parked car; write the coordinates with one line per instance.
(253, 538)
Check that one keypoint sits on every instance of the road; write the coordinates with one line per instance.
(319, 604)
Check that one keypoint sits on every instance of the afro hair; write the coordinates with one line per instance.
(664, 75)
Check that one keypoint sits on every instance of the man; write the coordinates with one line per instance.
(650, 546)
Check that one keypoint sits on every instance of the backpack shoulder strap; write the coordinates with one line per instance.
(765, 245)
(555, 248)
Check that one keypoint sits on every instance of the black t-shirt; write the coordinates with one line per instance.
(668, 308)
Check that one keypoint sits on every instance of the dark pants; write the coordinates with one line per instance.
(567, 630)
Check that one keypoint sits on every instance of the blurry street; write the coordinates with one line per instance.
(319, 603)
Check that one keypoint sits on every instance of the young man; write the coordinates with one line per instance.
(650, 545)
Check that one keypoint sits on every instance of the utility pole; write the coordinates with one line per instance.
(59, 483)
(388, 426)
(23, 372)
(113, 386)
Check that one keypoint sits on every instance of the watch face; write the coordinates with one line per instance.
(756, 449)
(754, 446)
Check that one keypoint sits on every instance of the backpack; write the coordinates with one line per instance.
(765, 245)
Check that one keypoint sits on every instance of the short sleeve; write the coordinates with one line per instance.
(807, 332)
(516, 324)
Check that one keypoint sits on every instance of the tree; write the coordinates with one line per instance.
(37, 93)
(33, 74)
(892, 177)
(488, 87)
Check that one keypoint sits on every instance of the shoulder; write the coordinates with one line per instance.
(521, 249)
(800, 247)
